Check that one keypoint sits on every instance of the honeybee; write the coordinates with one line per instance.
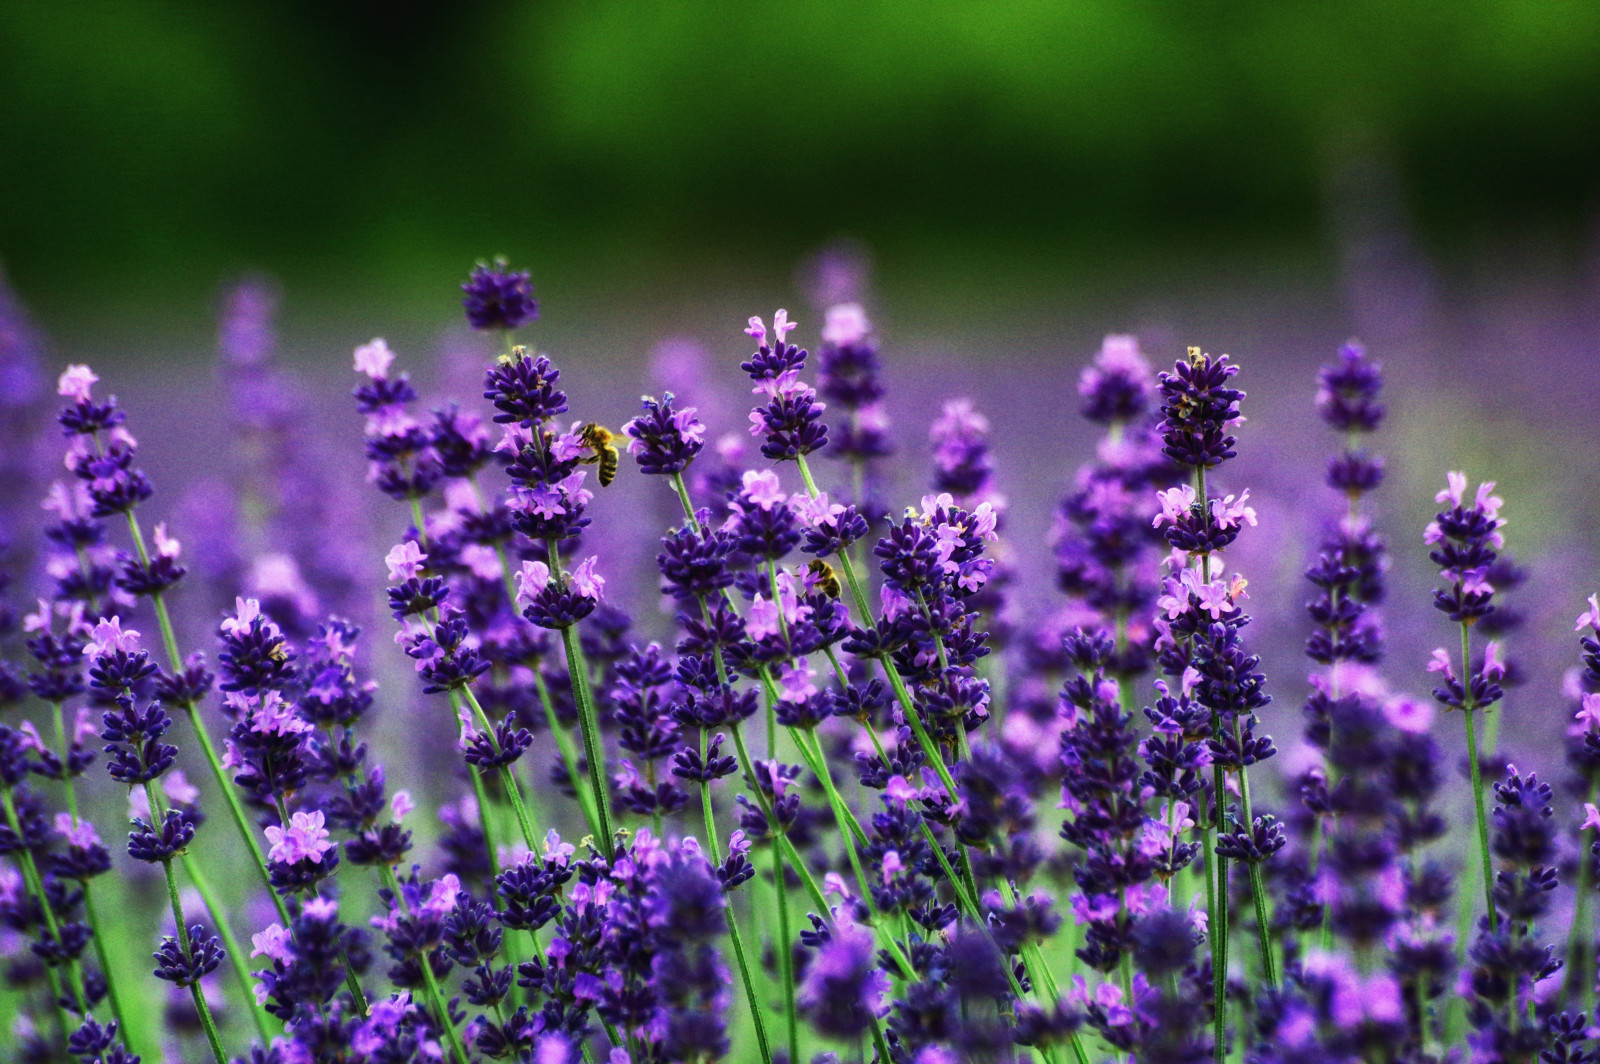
(603, 443)
(827, 579)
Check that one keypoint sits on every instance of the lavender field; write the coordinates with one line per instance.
(974, 688)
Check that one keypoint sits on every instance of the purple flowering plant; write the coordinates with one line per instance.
(826, 787)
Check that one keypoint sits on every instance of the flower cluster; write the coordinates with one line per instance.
(841, 786)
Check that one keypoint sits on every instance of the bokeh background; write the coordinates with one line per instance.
(1010, 179)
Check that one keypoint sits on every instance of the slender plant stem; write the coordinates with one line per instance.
(169, 640)
(207, 1021)
(569, 754)
(236, 957)
(1468, 710)
(435, 997)
(593, 746)
(96, 929)
(508, 781)
(35, 883)
(714, 844)
(1258, 890)
(1580, 939)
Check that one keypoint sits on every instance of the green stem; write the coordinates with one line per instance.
(435, 997)
(714, 845)
(200, 1006)
(1580, 939)
(96, 932)
(169, 640)
(1219, 917)
(589, 722)
(1482, 820)
(1468, 709)
(785, 953)
(569, 754)
(35, 882)
(1258, 890)
(236, 957)
(1219, 1019)
(508, 782)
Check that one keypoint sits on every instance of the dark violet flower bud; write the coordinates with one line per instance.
(86, 856)
(187, 967)
(694, 561)
(301, 854)
(1466, 542)
(460, 441)
(1347, 392)
(663, 440)
(1198, 410)
(844, 988)
(960, 439)
(523, 388)
(155, 845)
(1118, 385)
(83, 415)
(790, 421)
(133, 741)
(254, 656)
(498, 297)
(688, 765)
(1163, 943)
(549, 603)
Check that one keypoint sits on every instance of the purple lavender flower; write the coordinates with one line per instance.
(790, 421)
(663, 440)
(498, 297)
(844, 988)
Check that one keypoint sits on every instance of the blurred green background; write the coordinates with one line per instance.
(363, 152)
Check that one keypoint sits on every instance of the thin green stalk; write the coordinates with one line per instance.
(236, 957)
(714, 844)
(485, 811)
(201, 1007)
(96, 931)
(169, 640)
(35, 883)
(589, 722)
(785, 953)
(1477, 783)
(569, 755)
(1219, 1018)
(1219, 917)
(513, 789)
(1258, 890)
(1580, 939)
(436, 997)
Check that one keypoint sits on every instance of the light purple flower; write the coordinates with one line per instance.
(374, 359)
(110, 637)
(405, 561)
(845, 324)
(275, 942)
(533, 579)
(306, 839)
(80, 834)
(75, 383)
(585, 581)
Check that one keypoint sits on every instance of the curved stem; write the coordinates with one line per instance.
(207, 1022)
(169, 640)
(714, 845)
(435, 997)
(236, 957)
(96, 930)
(588, 721)
(35, 883)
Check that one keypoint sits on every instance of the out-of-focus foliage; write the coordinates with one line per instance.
(182, 138)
